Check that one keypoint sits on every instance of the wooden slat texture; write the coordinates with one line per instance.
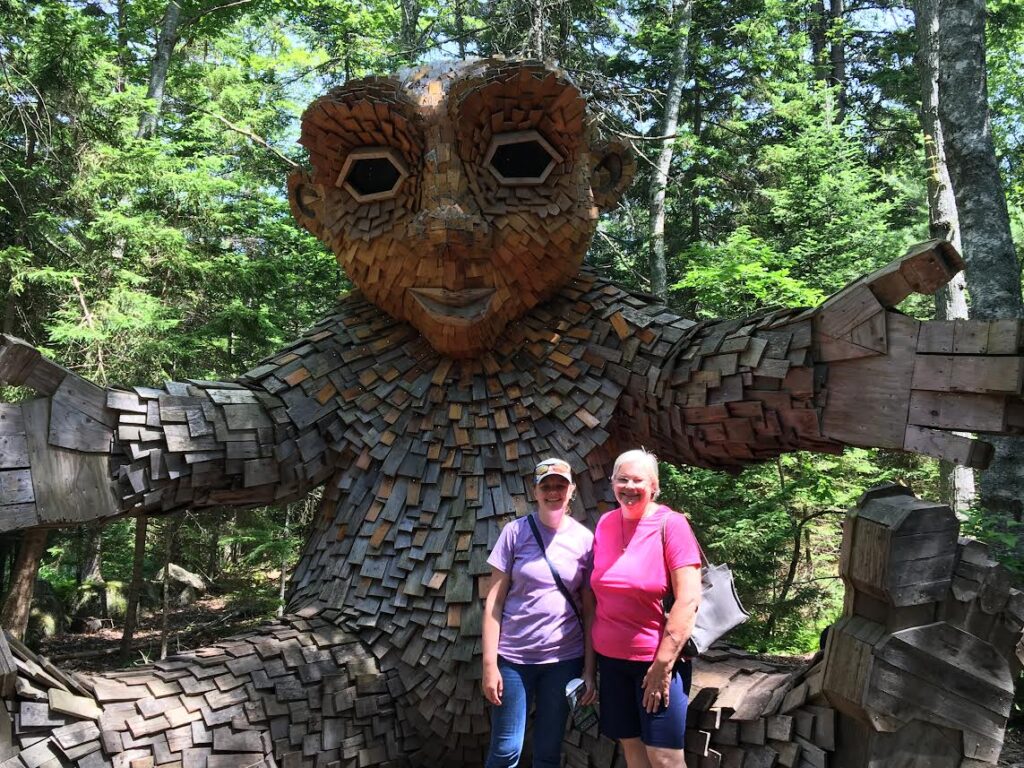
(67, 486)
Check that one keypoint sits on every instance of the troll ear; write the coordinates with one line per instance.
(306, 202)
(612, 166)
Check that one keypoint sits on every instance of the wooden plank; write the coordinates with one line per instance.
(880, 381)
(948, 373)
(936, 337)
(953, 410)
(8, 668)
(1005, 337)
(902, 695)
(68, 486)
(13, 452)
(824, 733)
(846, 310)
(760, 757)
(944, 655)
(16, 487)
(952, 447)
(76, 706)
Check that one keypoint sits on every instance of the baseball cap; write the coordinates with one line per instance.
(550, 467)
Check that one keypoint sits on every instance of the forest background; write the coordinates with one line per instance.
(784, 147)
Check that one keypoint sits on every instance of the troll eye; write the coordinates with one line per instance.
(372, 173)
(521, 158)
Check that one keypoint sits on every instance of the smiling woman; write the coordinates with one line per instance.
(644, 683)
(536, 629)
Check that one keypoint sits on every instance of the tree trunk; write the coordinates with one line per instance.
(950, 300)
(410, 27)
(214, 552)
(131, 611)
(536, 45)
(91, 567)
(15, 613)
(171, 537)
(993, 275)
(817, 23)
(837, 55)
(696, 106)
(282, 586)
(460, 27)
(159, 67)
(669, 123)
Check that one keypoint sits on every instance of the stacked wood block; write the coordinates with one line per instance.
(925, 646)
(461, 200)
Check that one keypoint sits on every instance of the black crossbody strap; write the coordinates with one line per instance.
(558, 579)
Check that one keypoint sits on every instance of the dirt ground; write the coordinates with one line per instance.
(194, 626)
(208, 620)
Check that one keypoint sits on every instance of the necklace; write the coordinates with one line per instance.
(622, 532)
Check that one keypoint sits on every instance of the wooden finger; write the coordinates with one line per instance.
(972, 337)
(965, 411)
(949, 446)
(969, 373)
(925, 268)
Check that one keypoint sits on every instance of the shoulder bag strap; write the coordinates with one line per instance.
(558, 579)
(664, 546)
(664, 556)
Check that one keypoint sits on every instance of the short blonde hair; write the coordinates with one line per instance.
(645, 459)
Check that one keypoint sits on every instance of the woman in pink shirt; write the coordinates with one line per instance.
(643, 685)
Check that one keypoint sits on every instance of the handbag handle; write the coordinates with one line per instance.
(558, 579)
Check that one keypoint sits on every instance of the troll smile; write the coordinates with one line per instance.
(465, 306)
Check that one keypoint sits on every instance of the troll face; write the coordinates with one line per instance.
(456, 197)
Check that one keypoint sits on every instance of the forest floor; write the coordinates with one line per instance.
(209, 619)
(201, 623)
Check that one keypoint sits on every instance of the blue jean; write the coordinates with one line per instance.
(544, 683)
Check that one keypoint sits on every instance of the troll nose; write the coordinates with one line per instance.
(450, 220)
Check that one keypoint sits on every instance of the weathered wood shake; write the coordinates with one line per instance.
(461, 200)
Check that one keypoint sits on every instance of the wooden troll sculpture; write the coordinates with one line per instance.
(460, 200)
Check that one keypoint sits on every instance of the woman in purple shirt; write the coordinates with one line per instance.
(534, 640)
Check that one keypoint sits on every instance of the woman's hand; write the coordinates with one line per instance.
(590, 688)
(492, 684)
(656, 686)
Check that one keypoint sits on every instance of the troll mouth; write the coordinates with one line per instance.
(466, 306)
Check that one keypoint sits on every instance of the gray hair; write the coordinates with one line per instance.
(644, 458)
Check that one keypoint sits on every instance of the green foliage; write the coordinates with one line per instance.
(741, 275)
(774, 517)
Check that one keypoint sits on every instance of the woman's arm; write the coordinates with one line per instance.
(589, 657)
(491, 681)
(686, 586)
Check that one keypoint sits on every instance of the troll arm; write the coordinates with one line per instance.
(82, 452)
(852, 372)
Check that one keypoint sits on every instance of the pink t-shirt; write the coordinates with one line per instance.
(630, 579)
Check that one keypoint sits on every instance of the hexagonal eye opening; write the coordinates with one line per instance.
(373, 173)
(521, 158)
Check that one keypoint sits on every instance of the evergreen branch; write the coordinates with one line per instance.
(254, 138)
(100, 368)
(214, 9)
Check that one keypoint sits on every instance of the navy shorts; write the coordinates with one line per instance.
(622, 712)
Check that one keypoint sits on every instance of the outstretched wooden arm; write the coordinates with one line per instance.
(851, 372)
(84, 453)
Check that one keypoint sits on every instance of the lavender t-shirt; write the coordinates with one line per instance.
(538, 626)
